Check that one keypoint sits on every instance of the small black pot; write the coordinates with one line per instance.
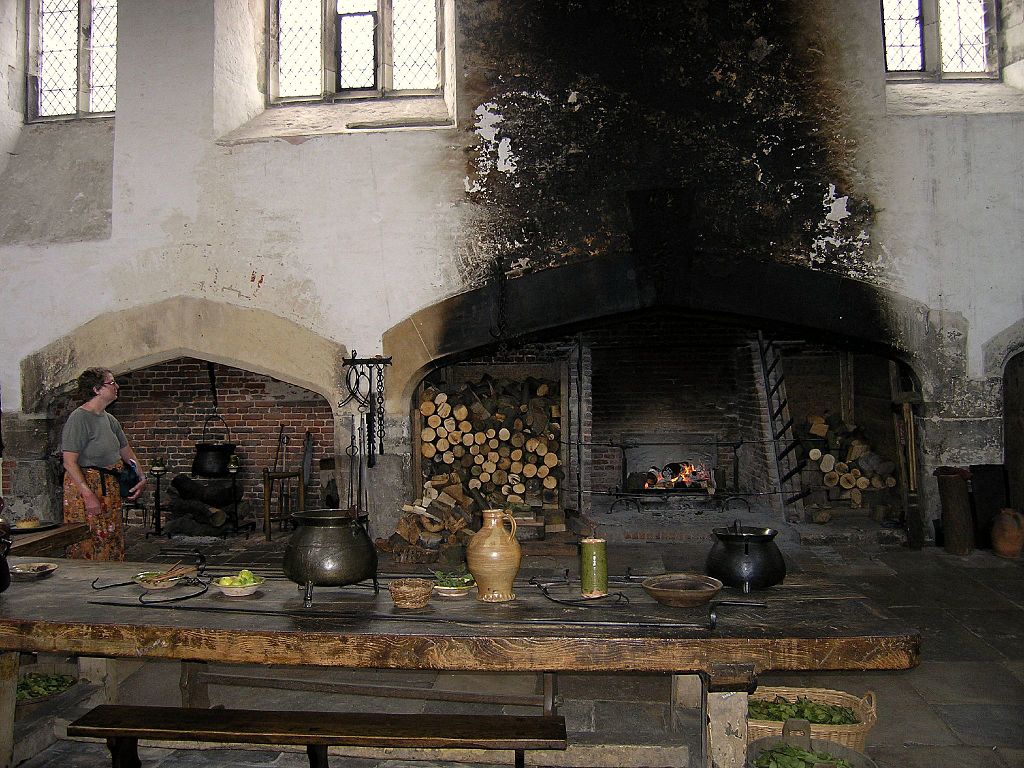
(746, 557)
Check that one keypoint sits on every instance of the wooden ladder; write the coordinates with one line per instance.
(788, 461)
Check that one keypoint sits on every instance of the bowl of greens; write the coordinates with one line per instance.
(453, 584)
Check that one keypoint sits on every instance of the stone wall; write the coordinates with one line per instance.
(739, 134)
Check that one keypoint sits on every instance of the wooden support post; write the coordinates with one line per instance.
(8, 701)
(195, 692)
(550, 694)
(686, 694)
(724, 706)
(106, 672)
(725, 730)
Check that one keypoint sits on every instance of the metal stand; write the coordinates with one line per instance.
(235, 527)
(157, 472)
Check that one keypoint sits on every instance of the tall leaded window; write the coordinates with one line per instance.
(939, 37)
(75, 58)
(357, 46)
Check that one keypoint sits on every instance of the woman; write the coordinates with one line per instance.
(95, 449)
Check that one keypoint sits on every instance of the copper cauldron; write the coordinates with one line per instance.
(330, 548)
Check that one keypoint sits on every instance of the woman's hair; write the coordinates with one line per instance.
(89, 380)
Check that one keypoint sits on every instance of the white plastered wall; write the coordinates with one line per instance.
(347, 234)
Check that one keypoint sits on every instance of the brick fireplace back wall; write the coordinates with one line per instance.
(666, 373)
(162, 409)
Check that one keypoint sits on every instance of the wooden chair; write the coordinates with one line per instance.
(283, 482)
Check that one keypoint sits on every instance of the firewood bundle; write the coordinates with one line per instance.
(501, 439)
(441, 517)
(846, 460)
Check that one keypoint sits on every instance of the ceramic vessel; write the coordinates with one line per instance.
(493, 556)
(1008, 533)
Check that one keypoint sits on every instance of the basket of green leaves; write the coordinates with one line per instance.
(834, 715)
(34, 687)
(794, 748)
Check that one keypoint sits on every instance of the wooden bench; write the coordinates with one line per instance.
(123, 726)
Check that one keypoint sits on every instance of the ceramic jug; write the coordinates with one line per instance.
(493, 556)
(1008, 533)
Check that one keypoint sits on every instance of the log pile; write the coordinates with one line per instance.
(843, 459)
(501, 438)
(487, 444)
(199, 508)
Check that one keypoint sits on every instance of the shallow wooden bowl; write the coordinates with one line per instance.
(682, 590)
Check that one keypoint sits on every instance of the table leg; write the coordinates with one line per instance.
(8, 701)
(686, 694)
(724, 739)
(108, 673)
(550, 694)
(195, 692)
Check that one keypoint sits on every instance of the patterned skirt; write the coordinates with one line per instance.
(106, 529)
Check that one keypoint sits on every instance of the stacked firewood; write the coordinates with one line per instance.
(501, 438)
(488, 444)
(845, 460)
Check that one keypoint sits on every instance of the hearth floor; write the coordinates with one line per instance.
(963, 706)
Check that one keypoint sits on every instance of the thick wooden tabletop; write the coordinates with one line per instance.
(804, 624)
(50, 541)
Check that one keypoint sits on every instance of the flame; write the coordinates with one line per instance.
(677, 475)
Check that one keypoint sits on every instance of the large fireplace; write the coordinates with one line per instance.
(662, 410)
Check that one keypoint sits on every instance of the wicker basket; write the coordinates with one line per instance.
(852, 736)
(411, 593)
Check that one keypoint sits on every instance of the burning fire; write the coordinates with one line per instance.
(678, 475)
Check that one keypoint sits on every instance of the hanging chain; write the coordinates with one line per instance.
(381, 432)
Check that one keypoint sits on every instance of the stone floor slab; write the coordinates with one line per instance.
(936, 757)
(985, 725)
(950, 682)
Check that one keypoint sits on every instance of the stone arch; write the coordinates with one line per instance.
(252, 339)
(1001, 348)
(572, 295)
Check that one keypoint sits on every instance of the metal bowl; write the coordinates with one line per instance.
(682, 590)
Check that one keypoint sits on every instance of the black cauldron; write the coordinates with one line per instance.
(746, 557)
(213, 459)
(330, 548)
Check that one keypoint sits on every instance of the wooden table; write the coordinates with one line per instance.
(805, 625)
(52, 541)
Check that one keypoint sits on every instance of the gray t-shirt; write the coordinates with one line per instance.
(96, 438)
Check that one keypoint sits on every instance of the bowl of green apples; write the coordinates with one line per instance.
(242, 585)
